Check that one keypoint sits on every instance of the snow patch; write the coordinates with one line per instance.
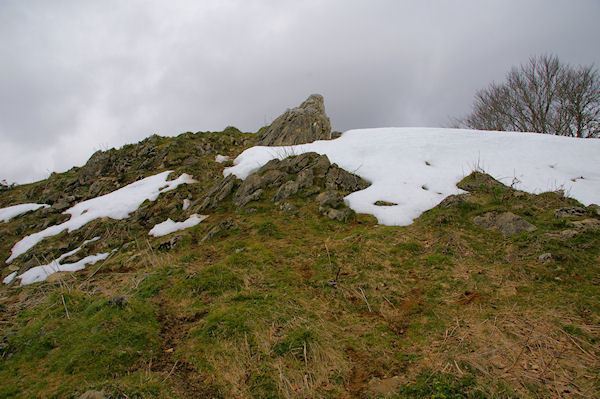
(10, 212)
(418, 167)
(169, 226)
(115, 205)
(8, 279)
(186, 204)
(222, 158)
(41, 273)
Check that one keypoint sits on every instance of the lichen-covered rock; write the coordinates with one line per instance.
(303, 124)
(341, 215)
(453, 200)
(570, 212)
(341, 180)
(506, 222)
(219, 192)
(305, 178)
(286, 190)
(248, 189)
(287, 207)
(329, 198)
(305, 175)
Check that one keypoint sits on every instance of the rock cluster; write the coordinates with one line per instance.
(303, 124)
(570, 212)
(306, 175)
(505, 222)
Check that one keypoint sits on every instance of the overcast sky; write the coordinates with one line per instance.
(78, 76)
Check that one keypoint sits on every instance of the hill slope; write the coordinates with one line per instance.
(284, 292)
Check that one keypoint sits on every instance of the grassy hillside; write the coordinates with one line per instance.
(291, 304)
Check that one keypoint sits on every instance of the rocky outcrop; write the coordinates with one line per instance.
(453, 200)
(570, 212)
(219, 192)
(329, 198)
(305, 175)
(303, 124)
(505, 222)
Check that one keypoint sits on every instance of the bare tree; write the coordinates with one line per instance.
(542, 96)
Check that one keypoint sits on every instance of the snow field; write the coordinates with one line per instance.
(418, 167)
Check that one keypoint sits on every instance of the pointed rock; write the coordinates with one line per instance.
(303, 124)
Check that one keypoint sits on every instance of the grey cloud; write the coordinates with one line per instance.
(81, 75)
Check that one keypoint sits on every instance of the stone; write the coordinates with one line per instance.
(273, 177)
(506, 223)
(286, 190)
(545, 257)
(587, 224)
(246, 192)
(60, 205)
(453, 200)
(384, 203)
(303, 124)
(96, 188)
(341, 215)
(305, 178)
(255, 196)
(221, 191)
(168, 244)
(320, 166)
(287, 207)
(338, 179)
(329, 198)
(570, 212)
(227, 224)
(93, 395)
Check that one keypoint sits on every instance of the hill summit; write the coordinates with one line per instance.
(397, 262)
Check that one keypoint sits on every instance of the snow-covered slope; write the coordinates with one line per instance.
(116, 205)
(418, 167)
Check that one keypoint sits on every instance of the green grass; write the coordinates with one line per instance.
(96, 342)
(297, 305)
